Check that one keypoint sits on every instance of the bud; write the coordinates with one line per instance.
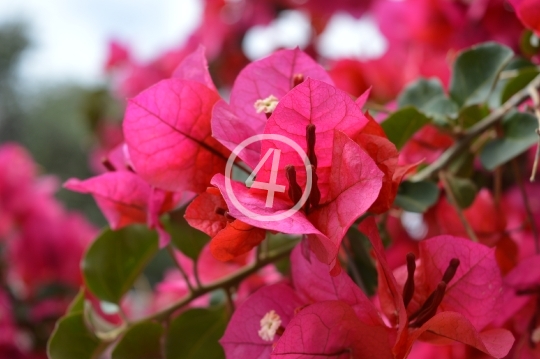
(294, 192)
(297, 79)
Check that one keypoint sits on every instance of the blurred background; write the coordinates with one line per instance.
(56, 64)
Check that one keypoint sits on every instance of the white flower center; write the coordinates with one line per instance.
(270, 323)
(267, 105)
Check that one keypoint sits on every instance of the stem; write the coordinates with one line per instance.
(454, 203)
(464, 142)
(376, 107)
(196, 272)
(170, 249)
(230, 301)
(226, 282)
(536, 101)
(526, 203)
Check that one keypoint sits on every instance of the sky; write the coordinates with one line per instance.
(70, 37)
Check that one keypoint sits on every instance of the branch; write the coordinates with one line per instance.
(533, 92)
(464, 142)
(223, 283)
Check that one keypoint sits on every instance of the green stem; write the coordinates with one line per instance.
(223, 283)
(170, 249)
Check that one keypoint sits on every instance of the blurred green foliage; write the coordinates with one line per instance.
(55, 122)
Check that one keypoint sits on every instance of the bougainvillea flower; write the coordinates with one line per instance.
(256, 326)
(374, 141)
(48, 247)
(322, 119)
(521, 307)
(268, 78)
(528, 11)
(231, 237)
(118, 55)
(195, 67)
(486, 219)
(167, 131)
(450, 292)
(331, 330)
(426, 145)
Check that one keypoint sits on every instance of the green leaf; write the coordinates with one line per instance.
(462, 165)
(362, 260)
(194, 334)
(71, 339)
(519, 82)
(417, 196)
(420, 92)
(77, 304)
(402, 124)
(115, 260)
(187, 239)
(428, 96)
(519, 134)
(470, 115)
(464, 190)
(475, 72)
(142, 341)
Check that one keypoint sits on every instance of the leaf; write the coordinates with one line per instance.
(402, 124)
(167, 131)
(71, 339)
(187, 239)
(463, 189)
(429, 97)
(475, 72)
(331, 329)
(194, 334)
(141, 341)
(362, 260)
(417, 196)
(519, 82)
(420, 92)
(115, 260)
(519, 134)
(470, 115)
(77, 304)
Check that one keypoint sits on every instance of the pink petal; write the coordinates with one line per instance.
(272, 75)
(241, 339)
(201, 212)
(195, 67)
(354, 184)
(255, 202)
(454, 326)
(231, 130)
(313, 283)
(476, 287)
(167, 130)
(331, 330)
(121, 196)
(311, 102)
(388, 288)
(362, 99)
